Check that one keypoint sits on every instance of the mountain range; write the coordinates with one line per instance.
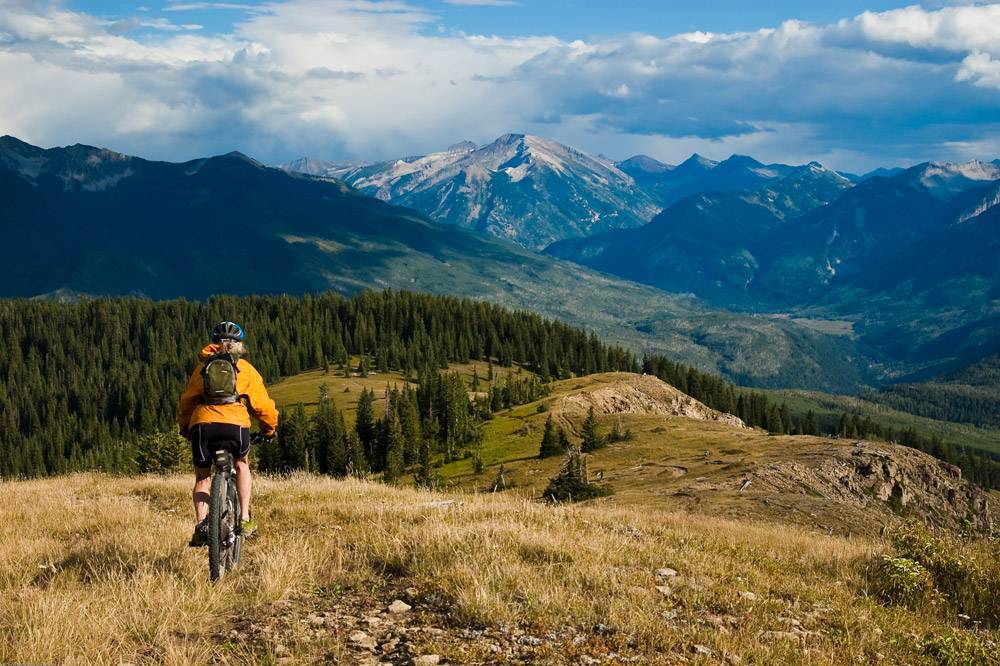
(535, 191)
(522, 188)
(911, 259)
(807, 278)
(904, 257)
(87, 220)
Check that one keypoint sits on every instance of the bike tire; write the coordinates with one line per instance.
(234, 510)
(216, 514)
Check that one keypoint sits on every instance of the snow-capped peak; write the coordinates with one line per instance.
(945, 179)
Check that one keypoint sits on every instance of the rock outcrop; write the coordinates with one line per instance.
(886, 476)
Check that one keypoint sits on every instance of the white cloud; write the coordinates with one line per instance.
(981, 69)
(366, 79)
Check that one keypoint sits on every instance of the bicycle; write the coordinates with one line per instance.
(225, 526)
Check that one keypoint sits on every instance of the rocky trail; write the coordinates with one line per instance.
(360, 626)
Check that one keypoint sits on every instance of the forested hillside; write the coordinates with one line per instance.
(86, 385)
(970, 395)
(79, 380)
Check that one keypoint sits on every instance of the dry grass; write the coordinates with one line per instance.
(93, 569)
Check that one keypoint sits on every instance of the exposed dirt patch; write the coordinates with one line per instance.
(641, 394)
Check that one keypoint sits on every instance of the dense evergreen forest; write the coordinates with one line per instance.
(79, 381)
(757, 410)
(88, 385)
(971, 395)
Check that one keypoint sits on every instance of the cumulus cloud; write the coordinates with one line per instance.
(368, 79)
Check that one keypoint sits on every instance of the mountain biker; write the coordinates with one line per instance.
(223, 392)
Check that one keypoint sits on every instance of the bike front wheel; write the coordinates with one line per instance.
(236, 540)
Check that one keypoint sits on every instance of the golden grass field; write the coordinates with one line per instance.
(94, 570)
(672, 463)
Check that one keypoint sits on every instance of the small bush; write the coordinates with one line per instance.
(565, 489)
(900, 580)
(542, 408)
(161, 452)
(958, 649)
(964, 574)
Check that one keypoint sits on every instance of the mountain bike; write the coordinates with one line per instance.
(225, 527)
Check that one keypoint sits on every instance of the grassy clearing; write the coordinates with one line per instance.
(304, 388)
(93, 569)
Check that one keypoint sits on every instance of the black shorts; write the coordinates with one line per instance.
(207, 438)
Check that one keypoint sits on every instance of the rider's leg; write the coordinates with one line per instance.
(202, 486)
(243, 485)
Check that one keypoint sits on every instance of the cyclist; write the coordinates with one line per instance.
(223, 392)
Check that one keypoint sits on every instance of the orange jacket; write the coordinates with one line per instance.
(191, 410)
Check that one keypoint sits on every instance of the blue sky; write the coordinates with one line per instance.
(568, 19)
(852, 84)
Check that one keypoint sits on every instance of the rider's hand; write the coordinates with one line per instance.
(265, 438)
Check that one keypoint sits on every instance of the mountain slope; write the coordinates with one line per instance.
(115, 224)
(711, 243)
(520, 187)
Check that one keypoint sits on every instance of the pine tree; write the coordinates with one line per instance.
(293, 432)
(424, 476)
(550, 441)
(365, 427)
(409, 420)
(356, 463)
(811, 427)
(394, 444)
(562, 440)
(328, 436)
(591, 438)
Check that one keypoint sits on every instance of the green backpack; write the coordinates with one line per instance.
(219, 375)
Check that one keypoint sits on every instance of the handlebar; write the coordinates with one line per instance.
(260, 438)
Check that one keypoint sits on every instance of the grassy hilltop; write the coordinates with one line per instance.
(93, 569)
(721, 544)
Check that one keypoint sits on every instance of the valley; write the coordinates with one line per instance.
(299, 234)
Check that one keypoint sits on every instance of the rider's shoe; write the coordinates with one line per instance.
(248, 528)
(200, 536)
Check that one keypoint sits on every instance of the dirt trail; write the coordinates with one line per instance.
(402, 627)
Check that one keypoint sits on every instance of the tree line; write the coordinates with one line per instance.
(80, 382)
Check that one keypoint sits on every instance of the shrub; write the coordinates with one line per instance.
(963, 575)
(161, 452)
(566, 489)
(900, 580)
(573, 481)
(958, 649)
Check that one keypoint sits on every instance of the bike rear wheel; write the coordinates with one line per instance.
(221, 528)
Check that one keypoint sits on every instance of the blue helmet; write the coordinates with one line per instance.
(227, 330)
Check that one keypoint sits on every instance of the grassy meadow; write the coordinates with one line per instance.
(94, 570)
